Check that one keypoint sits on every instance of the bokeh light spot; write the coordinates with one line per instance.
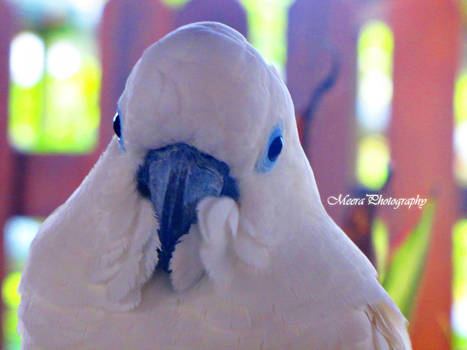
(175, 3)
(10, 293)
(377, 34)
(460, 98)
(267, 29)
(373, 162)
(19, 233)
(63, 60)
(460, 140)
(460, 150)
(459, 309)
(27, 59)
(375, 57)
(374, 101)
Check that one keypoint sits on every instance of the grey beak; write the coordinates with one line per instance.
(175, 178)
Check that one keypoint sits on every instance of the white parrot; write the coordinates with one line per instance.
(201, 226)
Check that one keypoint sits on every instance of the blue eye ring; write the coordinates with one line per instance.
(272, 151)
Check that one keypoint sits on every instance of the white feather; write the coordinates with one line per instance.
(185, 264)
(218, 223)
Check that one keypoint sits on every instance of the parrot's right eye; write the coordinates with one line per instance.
(275, 148)
(116, 125)
(271, 153)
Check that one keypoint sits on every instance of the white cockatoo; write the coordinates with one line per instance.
(201, 226)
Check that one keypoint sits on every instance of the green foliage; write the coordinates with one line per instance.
(459, 342)
(380, 242)
(403, 274)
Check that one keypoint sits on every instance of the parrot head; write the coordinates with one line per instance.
(209, 118)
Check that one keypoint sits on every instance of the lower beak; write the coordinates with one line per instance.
(175, 178)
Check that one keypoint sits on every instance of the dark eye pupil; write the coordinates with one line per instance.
(116, 122)
(275, 148)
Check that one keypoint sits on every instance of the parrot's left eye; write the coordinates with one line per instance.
(272, 152)
(116, 125)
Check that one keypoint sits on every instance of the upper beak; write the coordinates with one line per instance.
(175, 178)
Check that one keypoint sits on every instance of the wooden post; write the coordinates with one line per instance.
(127, 29)
(427, 42)
(316, 30)
(229, 12)
(6, 156)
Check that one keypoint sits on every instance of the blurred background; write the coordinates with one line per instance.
(394, 122)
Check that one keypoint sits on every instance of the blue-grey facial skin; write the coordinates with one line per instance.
(175, 178)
